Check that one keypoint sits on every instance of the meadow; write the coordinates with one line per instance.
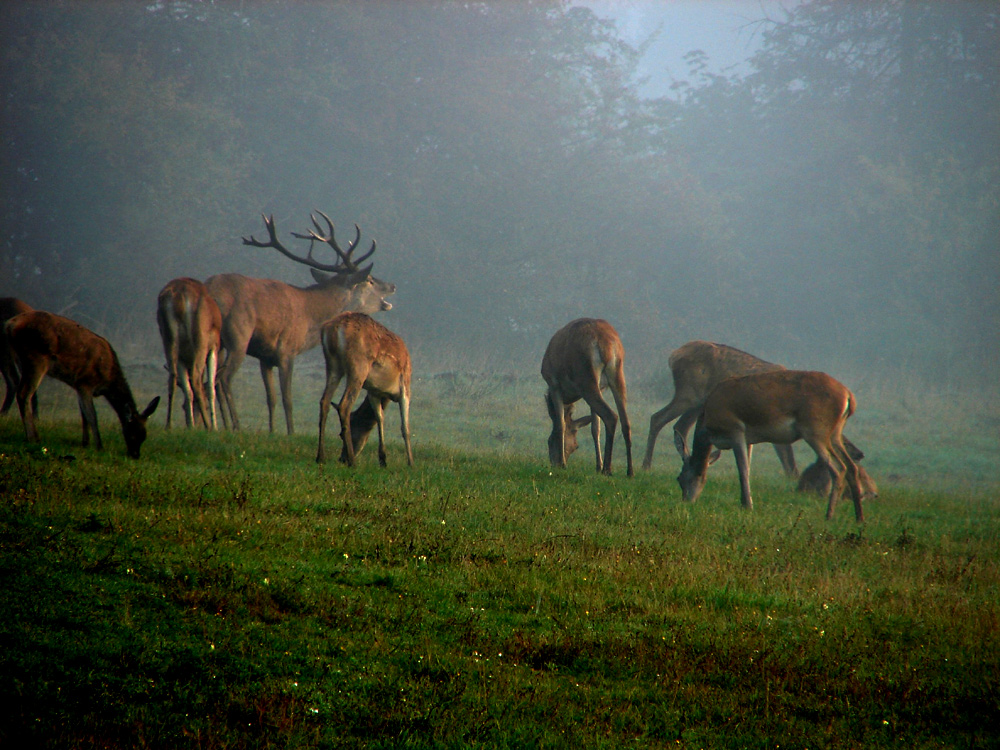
(225, 591)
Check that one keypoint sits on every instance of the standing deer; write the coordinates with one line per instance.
(371, 357)
(697, 367)
(47, 344)
(582, 359)
(775, 407)
(9, 307)
(191, 327)
(274, 322)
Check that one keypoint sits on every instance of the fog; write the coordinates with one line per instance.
(825, 195)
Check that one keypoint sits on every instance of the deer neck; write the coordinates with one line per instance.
(119, 395)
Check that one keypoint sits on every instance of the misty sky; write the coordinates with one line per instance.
(723, 29)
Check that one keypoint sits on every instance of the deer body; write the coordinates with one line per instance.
(190, 325)
(372, 358)
(697, 367)
(47, 344)
(274, 322)
(9, 307)
(583, 358)
(780, 407)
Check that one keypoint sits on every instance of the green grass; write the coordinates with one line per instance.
(225, 591)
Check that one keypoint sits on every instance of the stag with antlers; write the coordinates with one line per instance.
(274, 322)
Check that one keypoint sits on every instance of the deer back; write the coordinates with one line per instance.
(73, 354)
(584, 354)
(361, 347)
(187, 315)
(698, 366)
(778, 406)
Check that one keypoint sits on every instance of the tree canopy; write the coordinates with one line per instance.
(836, 199)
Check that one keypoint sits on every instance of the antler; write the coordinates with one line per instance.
(344, 265)
(316, 235)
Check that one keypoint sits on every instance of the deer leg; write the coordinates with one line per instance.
(285, 368)
(27, 403)
(557, 439)
(742, 452)
(787, 457)
(378, 404)
(351, 393)
(620, 402)
(188, 388)
(89, 415)
(267, 375)
(197, 375)
(853, 474)
(681, 429)
(171, 384)
(234, 358)
(211, 367)
(332, 381)
(6, 368)
(603, 413)
(404, 418)
(362, 423)
(657, 422)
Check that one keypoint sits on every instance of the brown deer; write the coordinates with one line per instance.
(817, 480)
(775, 407)
(697, 367)
(274, 322)
(191, 327)
(372, 358)
(582, 359)
(47, 344)
(9, 307)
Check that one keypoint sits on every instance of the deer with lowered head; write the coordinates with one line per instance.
(780, 407)
(370, 357)
(697, 367)
(47, 344)
(583, 358)
(190, 325)
(274, 322)
(9, 307)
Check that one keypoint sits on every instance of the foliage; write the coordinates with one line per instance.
(511, 172)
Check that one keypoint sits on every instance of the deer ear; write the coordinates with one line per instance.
(714, 457)
(151, 408)
(583, 421)
(319, 276)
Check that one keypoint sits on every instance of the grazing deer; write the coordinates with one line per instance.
(817, 480)
(191, 327)
(9, 307)
(371, 357)
(47, 344)
(775, 407)
(274, 322)
(582, 359)
(697, 367)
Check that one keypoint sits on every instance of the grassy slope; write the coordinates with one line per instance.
(225, 591)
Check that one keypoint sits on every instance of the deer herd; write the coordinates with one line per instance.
(731, 399)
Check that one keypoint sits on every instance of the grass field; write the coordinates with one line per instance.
(226, 592)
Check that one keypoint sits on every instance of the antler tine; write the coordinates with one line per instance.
(367, 255)
(274, 242)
